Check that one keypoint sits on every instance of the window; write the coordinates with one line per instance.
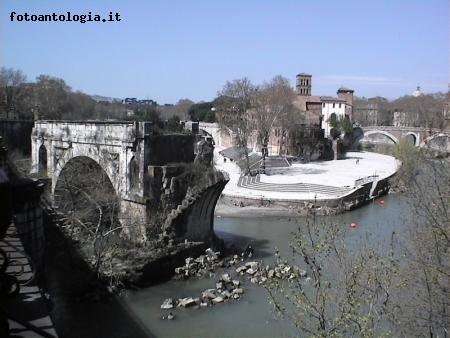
(133, 172)
(339, 105)
(323, 105)
(334, 105)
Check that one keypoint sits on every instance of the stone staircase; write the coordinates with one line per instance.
(254, 183)
(188, 200)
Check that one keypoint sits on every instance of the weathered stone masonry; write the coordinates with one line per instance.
(140, 165)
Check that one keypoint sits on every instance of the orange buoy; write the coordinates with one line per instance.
(382, 202)
(353, 225)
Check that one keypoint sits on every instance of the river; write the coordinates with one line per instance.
(253, 315)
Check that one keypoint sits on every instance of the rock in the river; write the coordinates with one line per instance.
(271, 273)
(226, 294)
(226, 278)
(200, 259)
(211, 254)
(253, 265)
(218, 299)
(170, 316)
(167, 304)
(238, 291)
(236, 283)
(186, 302)
(251, 271)
(209, 294)
(241, 269)
(179, 270)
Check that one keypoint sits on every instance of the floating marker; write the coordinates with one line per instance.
(353, 225)
(382, 202)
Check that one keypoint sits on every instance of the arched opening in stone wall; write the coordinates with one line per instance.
(42, 163)
(133, 173)
(86, 195)
(379, 137)
(411, 139)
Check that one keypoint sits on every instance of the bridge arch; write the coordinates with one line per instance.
(413, 137)
(84, 188)
(62, 161)
(382, 132)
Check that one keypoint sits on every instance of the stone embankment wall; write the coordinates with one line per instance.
(355, 199)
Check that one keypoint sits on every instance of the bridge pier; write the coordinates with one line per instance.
(133, 218)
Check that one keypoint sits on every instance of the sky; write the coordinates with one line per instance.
(171, 49)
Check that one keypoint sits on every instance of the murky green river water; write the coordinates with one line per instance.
(253, 316)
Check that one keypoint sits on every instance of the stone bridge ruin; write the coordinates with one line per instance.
(148, 172)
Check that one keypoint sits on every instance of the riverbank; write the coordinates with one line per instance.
(237, 207)
(252, 315)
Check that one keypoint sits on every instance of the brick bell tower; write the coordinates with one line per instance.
(304, 84)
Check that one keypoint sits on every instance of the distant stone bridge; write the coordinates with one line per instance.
(421, 137)
(142, 167)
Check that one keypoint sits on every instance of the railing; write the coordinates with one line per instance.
(365, 180)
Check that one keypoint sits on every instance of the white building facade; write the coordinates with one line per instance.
(331, 105)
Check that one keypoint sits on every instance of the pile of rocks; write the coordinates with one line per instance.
(226, 289)
(204, 264)
(259, 274)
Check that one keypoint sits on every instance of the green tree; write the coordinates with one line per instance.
(203, 111)
(52, 97)
(147, 113)
(424, 305)
(11, 91)
(233, 111)
(422, 111)
(346, 292)
(174, 124)
(333, 121)
(273, 106)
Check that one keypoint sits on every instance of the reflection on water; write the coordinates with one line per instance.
(253, 316)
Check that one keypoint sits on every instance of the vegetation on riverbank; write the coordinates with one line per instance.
(398, 288)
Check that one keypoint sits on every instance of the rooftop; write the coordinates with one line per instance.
(344, 89)
(331, 99)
